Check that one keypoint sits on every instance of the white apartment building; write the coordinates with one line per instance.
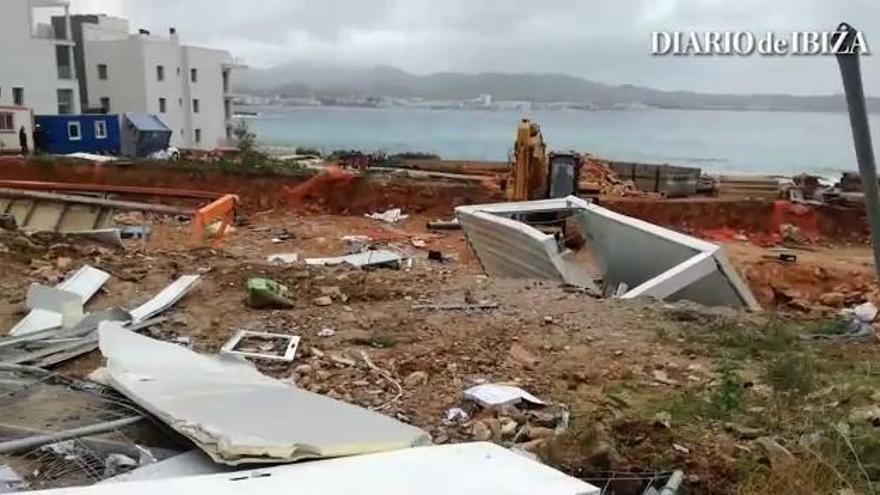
(189, 88)
(36, 61)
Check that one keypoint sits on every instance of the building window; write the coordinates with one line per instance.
(163, 105)
(18, 96)
(198, 135)
(74, 131)
(194, 75)
(195, 105)
(105, 104)
(100, 129)
(7, 122)
(160, 72)
(65, 102)
(102, 72)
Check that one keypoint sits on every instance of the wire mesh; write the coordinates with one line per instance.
(35, 402)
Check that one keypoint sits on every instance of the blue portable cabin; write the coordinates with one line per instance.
(144, 134)
(86, 133)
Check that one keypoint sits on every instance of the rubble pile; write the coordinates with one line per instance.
(598, 178)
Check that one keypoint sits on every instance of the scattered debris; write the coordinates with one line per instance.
(264, 293)
(391, 216)
(455, 307)
(326, 333)
(491, 395)
(241, 415)
(361, 260)
(262, 345)
(284, 259)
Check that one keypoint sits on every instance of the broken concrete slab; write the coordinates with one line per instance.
(463, 469)
(238, 415)
(630, 255)
(165, 299)
(84, 283)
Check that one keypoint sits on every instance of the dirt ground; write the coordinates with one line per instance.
(650, 387)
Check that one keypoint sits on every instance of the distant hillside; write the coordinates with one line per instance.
(319, 80)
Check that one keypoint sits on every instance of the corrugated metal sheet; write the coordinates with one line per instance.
(650, 260)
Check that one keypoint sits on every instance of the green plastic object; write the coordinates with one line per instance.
(264, 293)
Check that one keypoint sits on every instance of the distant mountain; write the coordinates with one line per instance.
(325, 81)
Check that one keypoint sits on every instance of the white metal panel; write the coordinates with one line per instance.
(238, 415)
(85, 283)
(463, 469)
(164, 299)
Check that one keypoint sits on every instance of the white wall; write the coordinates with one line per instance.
(208, 90)
(133, 86)
(125, 83)
(21, 117)
(29, 62)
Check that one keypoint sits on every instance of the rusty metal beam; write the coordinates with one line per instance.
(84, 200)
(109, 188)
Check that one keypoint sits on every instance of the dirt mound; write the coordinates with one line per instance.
(598, 178)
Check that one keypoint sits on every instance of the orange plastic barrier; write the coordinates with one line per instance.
(222, 210)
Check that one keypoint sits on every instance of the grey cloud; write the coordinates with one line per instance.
(603, 40)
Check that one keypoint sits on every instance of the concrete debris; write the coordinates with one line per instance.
(391, 216)
(261, 345)
(650, 260)
(455, 415)
(465, 469)
(263, 293)
(84, 283)
(415, 379)
(775, 453)
(492, 395)
(283, 259)
(237, 415)
(323, 301)
(165, 299)
(361, 260)
(326, 333)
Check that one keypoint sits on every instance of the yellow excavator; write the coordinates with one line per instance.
(537, 175)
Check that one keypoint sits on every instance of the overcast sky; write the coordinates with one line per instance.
(603, 40)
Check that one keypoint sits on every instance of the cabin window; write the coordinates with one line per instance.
(100, 129)
(74, 131)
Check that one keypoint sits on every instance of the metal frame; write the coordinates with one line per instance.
(287, 357)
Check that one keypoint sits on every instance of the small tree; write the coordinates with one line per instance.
(246, 140)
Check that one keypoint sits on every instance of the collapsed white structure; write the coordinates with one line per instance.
(465, 469)
(234, 413)
(632, 258)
